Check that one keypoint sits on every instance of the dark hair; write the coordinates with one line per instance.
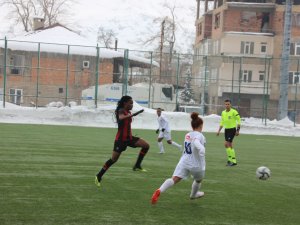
(121, 103)
(227, 100)
(196, 120)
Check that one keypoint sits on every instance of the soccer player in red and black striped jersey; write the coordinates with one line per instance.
(124, 137)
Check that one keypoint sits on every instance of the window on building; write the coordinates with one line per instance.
(294, 77)
(60, 90)
(217, 20)
(246, 76)
(295, 48)
(261, 75)
(263, 47)
(17, 63)
(296, 20)
(16, 96)
(247, 47)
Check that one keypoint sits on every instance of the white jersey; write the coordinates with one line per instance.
(163, 123)
(193, 155)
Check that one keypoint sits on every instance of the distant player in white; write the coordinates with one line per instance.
(192, 161)
(164, 131)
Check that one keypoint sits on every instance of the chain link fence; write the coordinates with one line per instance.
(38, 74)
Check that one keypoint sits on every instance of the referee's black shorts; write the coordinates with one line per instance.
(229, 134)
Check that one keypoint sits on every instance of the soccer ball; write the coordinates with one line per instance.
(263, 173)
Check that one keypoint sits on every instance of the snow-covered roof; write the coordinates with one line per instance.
(57, 39)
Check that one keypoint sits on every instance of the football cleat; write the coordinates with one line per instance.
(97, 182)
(139, 169)
(232, 164)
(199, 194)
(155, 196)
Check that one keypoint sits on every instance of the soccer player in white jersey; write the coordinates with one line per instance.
(164, 131)
(192, 161)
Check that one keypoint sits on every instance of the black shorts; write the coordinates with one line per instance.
(229, 134)
(121, 146)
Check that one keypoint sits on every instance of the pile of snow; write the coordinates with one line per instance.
(103, 116)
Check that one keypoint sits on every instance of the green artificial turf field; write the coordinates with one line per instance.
(47, 177)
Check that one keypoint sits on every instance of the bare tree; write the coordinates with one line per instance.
(168, 25)
(170, 29)
(106, 37)
(22, 11)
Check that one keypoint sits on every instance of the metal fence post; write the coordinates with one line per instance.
(296, 92)
(177, 82)
(150, 80)
(125, 72)
(204, 89)
(264, 92)
(67, 75)
(38, 75)
(232, 79)
(267, 93)
(4, 72)
(97, 76)
(240, 81)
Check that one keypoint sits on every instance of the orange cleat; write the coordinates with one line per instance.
(155, 196)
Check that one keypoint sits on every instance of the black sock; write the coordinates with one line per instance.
(140, 158)
(104, 168)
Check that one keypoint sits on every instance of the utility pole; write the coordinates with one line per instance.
(284, 67)
(162, 37)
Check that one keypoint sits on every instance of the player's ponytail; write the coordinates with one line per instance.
(196, 120)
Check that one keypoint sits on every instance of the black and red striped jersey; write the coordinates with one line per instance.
(124, 126)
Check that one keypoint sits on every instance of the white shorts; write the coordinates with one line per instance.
(166, 135)
(184, 172)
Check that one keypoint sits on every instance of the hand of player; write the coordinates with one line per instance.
(163, 130)
(138, 112)
(218, 133)
(157, 131)
(237, 133)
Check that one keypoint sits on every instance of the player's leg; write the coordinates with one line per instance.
(139, 142)
(160, 143)
(229, 136)
(198, 177)
(233, 157)
(106, 166)
(170, 142)
(232, 151)
(166, 185)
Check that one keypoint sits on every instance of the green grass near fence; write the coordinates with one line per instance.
(47, 177)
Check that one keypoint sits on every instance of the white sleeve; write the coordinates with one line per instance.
(199, 147)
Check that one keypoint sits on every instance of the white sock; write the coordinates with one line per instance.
(161, 146)
(195, 188)
(176, 145)
(167, 184)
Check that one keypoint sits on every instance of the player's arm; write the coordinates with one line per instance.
(238, 120)
(200, 147)
(221, 125)
(123, 116)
